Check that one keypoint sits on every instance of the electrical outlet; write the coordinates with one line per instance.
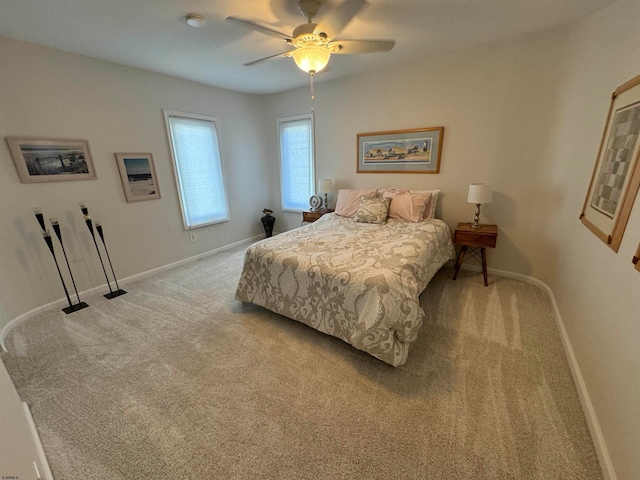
(192, 236)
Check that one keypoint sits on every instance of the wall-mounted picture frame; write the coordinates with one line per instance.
(616, 176)
(138, 175)
(636, 259)
(40, 160)
(400, 151)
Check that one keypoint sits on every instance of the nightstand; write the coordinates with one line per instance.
(310, 217)
(478, 239)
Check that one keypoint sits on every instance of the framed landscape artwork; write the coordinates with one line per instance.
(400, 151)
(51, 160)
(616, 177)
(138, 175)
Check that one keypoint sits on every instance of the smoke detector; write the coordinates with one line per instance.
(195, 20)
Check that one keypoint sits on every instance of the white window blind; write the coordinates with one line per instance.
(196, 157)
(296, 161)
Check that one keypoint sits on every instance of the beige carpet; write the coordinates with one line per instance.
(178, 380)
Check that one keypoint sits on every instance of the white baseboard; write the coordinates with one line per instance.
(599, 443)
(62, 302)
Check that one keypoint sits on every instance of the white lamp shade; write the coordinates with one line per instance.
(311, 59)
(325, 185)
(480, 193)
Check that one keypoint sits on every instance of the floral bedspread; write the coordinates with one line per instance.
(359, 282)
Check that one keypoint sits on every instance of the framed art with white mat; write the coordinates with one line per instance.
(138, 175)
(616, 176)
(41, 160)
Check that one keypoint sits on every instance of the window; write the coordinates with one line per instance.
(296, 161)
(195, 151)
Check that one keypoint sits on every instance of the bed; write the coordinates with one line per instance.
(359, 282)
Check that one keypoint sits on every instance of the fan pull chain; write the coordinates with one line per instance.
(311, 75)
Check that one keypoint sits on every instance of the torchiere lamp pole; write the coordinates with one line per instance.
(89, 223)
(119, 291)
(56, 228)
(47, 238)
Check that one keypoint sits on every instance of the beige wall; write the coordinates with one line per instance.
(48, 93)
(598, 290)
(525, 114)
(497, 123)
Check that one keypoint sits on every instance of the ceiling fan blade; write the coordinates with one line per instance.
(283, 54)
(261, 28)
(335, 21)
(362, 46)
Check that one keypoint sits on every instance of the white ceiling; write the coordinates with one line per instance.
(153, 34)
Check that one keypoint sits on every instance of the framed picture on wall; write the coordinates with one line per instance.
(616, 176)
(51, 160)
(400, 151)
(138, 175)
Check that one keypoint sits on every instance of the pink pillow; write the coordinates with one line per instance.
(348, 201)
(432, 203)
(407, 205)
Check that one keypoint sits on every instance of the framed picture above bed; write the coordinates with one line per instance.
(400, 151)
(616, 176)
(138, 175)
(40, 160)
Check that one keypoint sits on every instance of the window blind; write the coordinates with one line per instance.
(198, 170)
(296, 162)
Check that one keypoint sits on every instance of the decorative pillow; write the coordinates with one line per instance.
(348, 201)
(407, 205)
(430, 207)
(373, 210)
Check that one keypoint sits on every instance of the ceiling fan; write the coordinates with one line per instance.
(313, 43)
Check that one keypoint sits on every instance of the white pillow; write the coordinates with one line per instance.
(348, 201)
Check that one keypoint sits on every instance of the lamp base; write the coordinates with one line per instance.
(476, 217)
(75, 308)
(115, 294)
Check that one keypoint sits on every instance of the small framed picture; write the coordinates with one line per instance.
(51, 160)
(138, 175)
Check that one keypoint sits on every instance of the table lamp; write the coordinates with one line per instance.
(479, 193)
(325, 186)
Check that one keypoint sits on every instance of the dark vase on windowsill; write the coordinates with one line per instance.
(267, 222)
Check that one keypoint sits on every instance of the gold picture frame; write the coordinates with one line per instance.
(400, 151)
(616, 176)
(41, 160)
(138, 175)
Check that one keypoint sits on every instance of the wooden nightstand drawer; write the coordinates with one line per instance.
(484, 236)
(311, 217)
(474, 239)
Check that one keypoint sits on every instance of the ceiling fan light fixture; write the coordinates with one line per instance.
(311, 59)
